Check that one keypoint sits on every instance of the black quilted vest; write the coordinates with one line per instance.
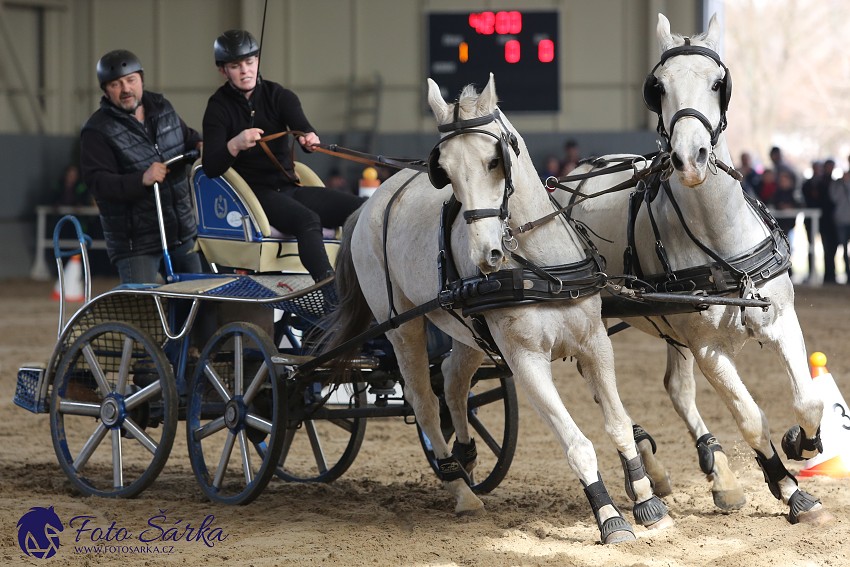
(132, 228)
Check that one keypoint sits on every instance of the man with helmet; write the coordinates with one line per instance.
(238, 114)
(122, 149)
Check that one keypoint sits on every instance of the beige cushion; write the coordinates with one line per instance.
(277, 252)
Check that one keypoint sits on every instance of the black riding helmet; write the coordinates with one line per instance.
(234, 45)
(117, 64)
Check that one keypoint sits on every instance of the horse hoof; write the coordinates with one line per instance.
(616, 530)
(729, 500)
(817, 517)
(619, 537)
(470, 512)
(662, 524)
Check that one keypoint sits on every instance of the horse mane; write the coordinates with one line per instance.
(679, 39)
(468, 102)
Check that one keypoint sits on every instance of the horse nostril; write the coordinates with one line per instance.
(677, 161)
(702, 156)
(495, 257)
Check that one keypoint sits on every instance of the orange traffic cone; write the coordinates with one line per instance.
(834, 425)
(369, 182)
(73, 279)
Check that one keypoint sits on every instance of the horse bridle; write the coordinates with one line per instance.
(652, 101)
(457, 127)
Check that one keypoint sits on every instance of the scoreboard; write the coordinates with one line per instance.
(519, 47)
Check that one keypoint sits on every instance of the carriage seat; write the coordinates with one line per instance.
(233, 230)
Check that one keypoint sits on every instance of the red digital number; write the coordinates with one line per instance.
(508, 22)
(502, 23)
(483, 22)
(546, 51)
(512, 51)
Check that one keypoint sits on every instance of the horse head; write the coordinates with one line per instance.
(475, 155)
(689, 89)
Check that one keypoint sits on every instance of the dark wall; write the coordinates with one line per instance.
(33, 166)
(32, 169)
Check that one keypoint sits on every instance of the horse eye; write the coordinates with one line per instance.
(716, 86)
(660, 88)
(494, 163)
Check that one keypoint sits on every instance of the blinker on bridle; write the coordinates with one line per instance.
(470, 126)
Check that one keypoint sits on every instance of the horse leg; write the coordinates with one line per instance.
(596, 358)
(720, 371)
(679, 381)
(457, 370)
(803, 440)
(409, 342)
(533, 374)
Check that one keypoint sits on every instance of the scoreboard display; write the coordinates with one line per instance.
(519, 47)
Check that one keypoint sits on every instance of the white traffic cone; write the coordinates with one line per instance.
(834, 425)
(72, 275)
(368, 182)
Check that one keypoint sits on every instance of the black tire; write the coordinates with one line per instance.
(322, 450)
(114, 382)
(494, 418)
(235, 401)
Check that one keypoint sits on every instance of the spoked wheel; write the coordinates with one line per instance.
(113, 410)
(235, 401)
(321, 450)
(493, 416)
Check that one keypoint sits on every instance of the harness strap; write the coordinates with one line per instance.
(264, 145)
(399, 191)
(368, 159)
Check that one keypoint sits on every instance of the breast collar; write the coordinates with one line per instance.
(766, 260)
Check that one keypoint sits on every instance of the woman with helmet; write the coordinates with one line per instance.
(238, 114)
(122, 149)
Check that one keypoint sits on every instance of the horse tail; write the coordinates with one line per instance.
(352, 315)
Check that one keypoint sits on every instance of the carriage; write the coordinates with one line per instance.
(127, 367)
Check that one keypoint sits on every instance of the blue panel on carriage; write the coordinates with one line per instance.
(220, 210)
(243, 287)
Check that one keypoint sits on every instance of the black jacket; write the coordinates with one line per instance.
(273, 109)
(115, 150)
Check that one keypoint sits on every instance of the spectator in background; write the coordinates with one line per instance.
(779, 164)
(551, 168)
(572, 155)
(811, 200)
(337, 181)
(828, 236)
(767, 187)
(839, 194)
(752, 180)
(784, 198)
(72, 190)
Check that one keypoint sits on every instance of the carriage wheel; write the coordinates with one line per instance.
(113, 411)
(493, 416)
(321, 450)
(235, 401)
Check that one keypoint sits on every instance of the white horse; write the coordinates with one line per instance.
(499, 189)
(713, 239)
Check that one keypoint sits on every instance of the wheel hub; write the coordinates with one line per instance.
(112, 412)
(234, 414)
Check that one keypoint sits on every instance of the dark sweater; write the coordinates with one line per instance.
(271, 108)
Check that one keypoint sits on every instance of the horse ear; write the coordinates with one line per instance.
(488, 99)
(436, 102)
(665, 38)
(712, 37)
